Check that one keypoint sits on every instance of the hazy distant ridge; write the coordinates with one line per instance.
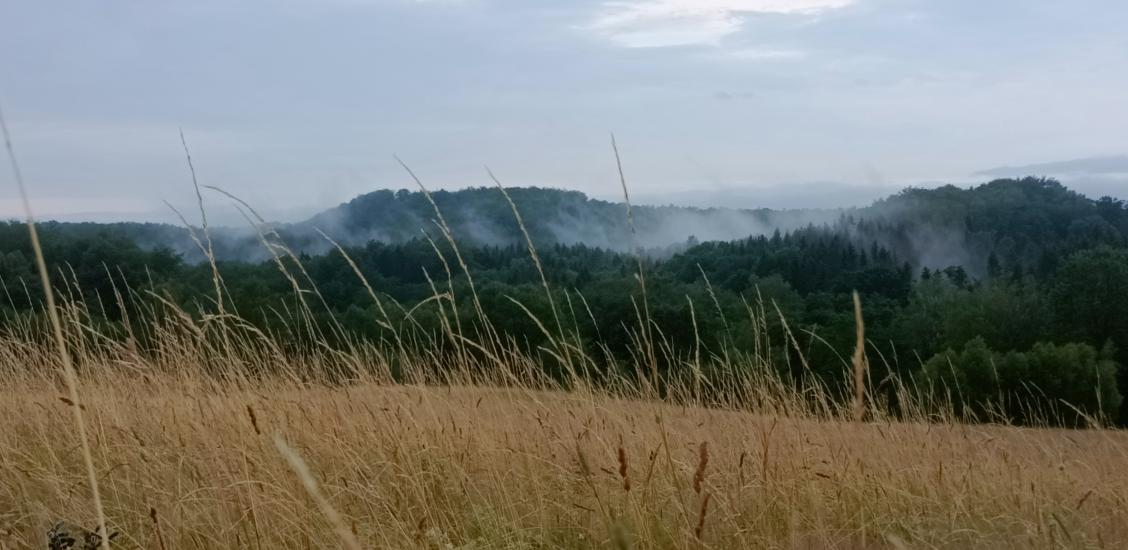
(1012, 218)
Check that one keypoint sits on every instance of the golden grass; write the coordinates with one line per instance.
(185, 463)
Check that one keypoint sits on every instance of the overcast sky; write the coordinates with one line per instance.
(297, 105)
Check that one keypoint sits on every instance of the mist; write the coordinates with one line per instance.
(926, 228)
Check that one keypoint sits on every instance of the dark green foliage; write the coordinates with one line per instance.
(88, 260)
(1090, 295)
(1048, 381)
(1090, 302)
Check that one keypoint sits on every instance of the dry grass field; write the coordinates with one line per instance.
(187, 463)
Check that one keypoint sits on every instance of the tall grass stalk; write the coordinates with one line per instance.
(860, 361)
(60, 342)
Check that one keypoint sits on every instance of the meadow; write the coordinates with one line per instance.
(194, 428)
(213, 434)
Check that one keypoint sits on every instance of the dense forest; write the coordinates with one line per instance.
(1007, 290)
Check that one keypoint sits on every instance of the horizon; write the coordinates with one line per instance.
(230, 217)
(298, 106)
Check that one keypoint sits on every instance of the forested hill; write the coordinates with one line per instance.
(1027, 223)
(482, 216)
(1032, 222)
(477, 217)
(1023, 222)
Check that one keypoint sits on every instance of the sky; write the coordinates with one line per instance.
(298, 105)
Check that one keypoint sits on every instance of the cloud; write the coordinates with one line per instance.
(661, 23)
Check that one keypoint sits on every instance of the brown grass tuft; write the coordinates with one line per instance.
(701, 516)
(623, 474)
(702, 463)
(254, 419)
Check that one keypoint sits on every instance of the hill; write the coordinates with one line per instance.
(481, 216)
(1031, 222)
(1022, 221)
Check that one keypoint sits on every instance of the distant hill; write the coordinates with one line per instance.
(1018, 221)
(551, 216)
(1025, 222)
(478, 217)
(1093, 166)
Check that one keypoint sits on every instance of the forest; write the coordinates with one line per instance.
(998, 295)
